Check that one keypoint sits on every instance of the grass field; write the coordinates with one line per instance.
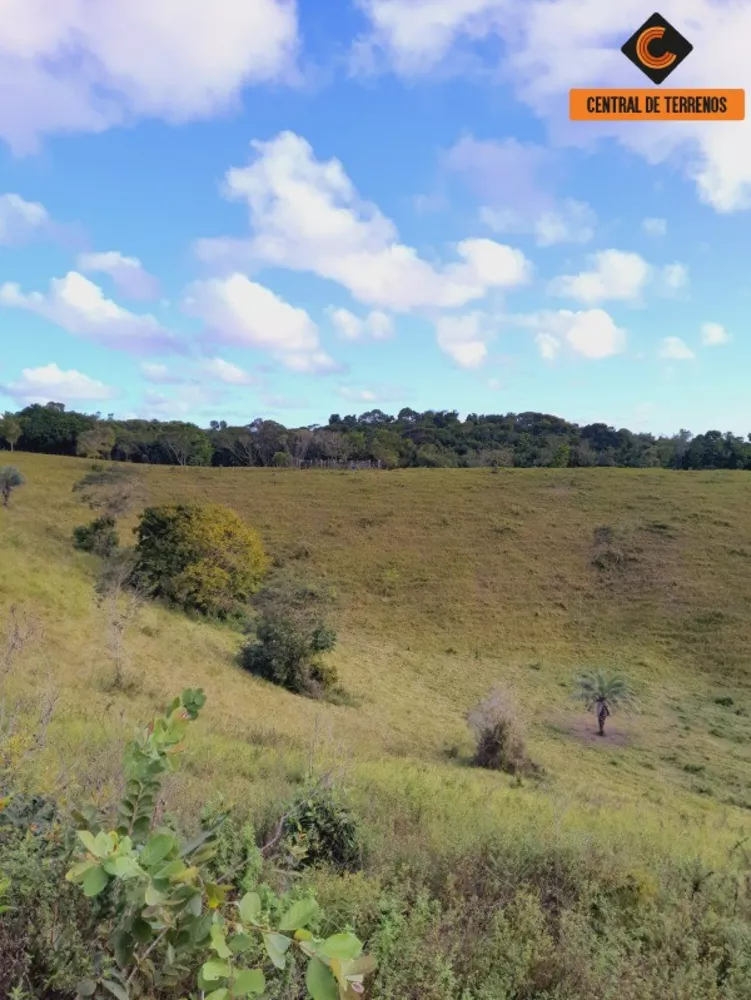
(447, 581)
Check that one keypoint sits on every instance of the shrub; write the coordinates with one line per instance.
(289, 636)
(199, 556)
(497, 731)
(113, 489)
(99, 537)
(10, 479)
(318, 829)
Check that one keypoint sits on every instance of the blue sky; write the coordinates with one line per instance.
(255, 208)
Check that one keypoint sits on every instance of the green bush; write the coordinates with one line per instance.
(202, 557)
(497, 731)
(319, 829)
(99, 537)
(289, 637)
(10, 479)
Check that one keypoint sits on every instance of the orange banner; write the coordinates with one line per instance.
(686, 105)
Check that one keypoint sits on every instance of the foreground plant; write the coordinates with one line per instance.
(162, 923)
(603, 694)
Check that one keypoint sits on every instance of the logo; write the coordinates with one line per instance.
(657, 48)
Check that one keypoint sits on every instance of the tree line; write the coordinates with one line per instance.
(431, 439)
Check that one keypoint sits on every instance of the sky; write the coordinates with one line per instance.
(244, 208)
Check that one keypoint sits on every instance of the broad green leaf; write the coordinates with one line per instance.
(298, 915)
(320, 982)
(220, 994)
(125, 868)
(214, 969)
(115, 989)
(248, 981)
(303, 935)
(77, 872)
(218, 942)
(362, 966)
(153, 897)
(158, 846)
(124, 944)
(345, 947)
(94, 881)
(141, 931)
(250, 908)
(276, 947)
(239, 943)
(86, 988)
(103, 845)
(216, 894)
(88, 840)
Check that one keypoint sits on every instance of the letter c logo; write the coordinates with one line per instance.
(645, 57)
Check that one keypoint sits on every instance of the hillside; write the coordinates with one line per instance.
(448, 581)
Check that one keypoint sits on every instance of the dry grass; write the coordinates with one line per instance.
(447, 581)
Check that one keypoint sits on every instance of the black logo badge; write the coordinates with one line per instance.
(657, 48)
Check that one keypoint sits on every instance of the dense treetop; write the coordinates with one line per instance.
(430, 439)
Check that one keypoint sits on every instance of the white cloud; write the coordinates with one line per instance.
(358, 395)
(676, 350)
(160, 374)
(128, 273)
(41, 385)
(85, 65)
(20, 219)
(550, 46)
(376, 325)
(465, 338)
(307, 216)
(655, 227)
(592, 333)
(227, 372)
(713, 334)
(242, 313)
(513, 180)
(615, 274)
(80, 307)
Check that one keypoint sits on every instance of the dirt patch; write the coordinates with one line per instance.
(584, 728)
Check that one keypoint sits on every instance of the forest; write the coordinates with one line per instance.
(432, 439)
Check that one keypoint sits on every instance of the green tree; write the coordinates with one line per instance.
(289, 637)
(97, 442)
(10, 429)
(199, 556)
(10, 479)
(603, 694)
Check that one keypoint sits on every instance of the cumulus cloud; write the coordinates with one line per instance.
(655, 227)
(375, 326)
(241, 313)
(306, 215)
(226, 371)
(618, 275)
(49, 382)
(128, 273)
(675, 349)
(591, 333)
(85, 65)
(514, 180)
(713, 334)
(80, 307)
(550, 46)
(465, 338)
(160, 374)
(20, 219)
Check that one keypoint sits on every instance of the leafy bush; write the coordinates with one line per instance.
(199, 556)
(318, 829)
(288, 638)
(99, 537)
(498, 735)
(113, 489)
(10, 479)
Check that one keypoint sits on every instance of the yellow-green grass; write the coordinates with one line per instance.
(448, 582)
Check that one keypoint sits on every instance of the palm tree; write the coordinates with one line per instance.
(604, 694)
(10, 479)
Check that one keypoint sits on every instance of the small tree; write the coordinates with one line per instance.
(10, 429)
(10, 479)
(116, 490)
(97, 442)
(99, 537)
(199, 556)
(603, 694)
(498, 734)
(289, 637)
